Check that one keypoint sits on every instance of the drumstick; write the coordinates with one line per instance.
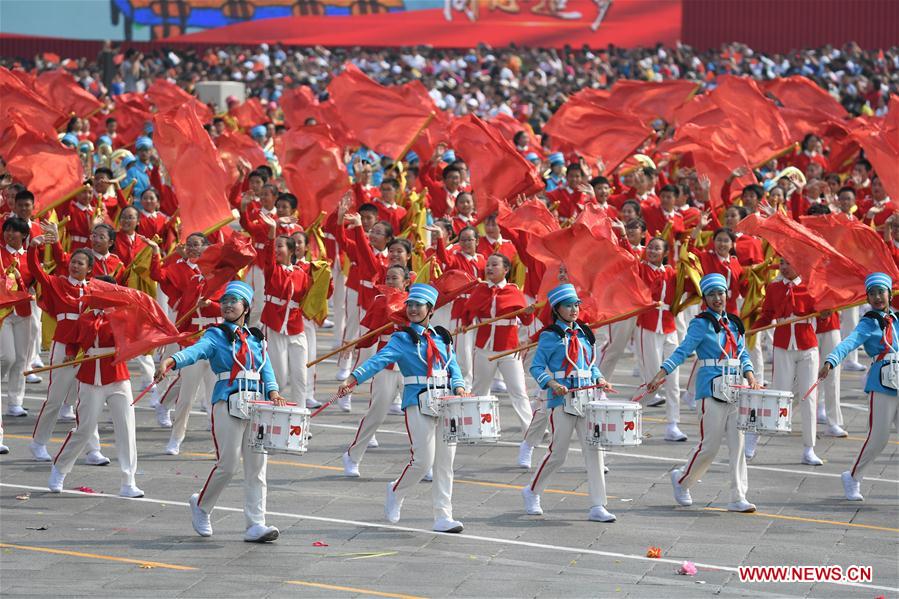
(607, 387)
(639, 397)
(812, 388)
(329, 402)
(150, 386)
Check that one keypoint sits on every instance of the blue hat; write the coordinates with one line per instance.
(69, 139)
(127, 162)
(556, 158)
(411, 157)
(532, 157)
(709, 283)
(104, 139)
(241, 290)
(878, 279)
(423, 294)
(258, 131)
(564, 293)
(449, 156)
(143, 143)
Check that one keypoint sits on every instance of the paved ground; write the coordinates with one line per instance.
(335, 542)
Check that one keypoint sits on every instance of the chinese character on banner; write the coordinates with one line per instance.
(467, 7)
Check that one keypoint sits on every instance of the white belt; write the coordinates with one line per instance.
(580, 373)
(281, 301)
(201, 321)
(67, 316)
(259, 246)
(365, 283)
(96, 351)
(328, 236)
(78, 238)
(226, 376)
(730, 363)
(416, 380)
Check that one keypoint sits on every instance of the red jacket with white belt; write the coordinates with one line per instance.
(457, 260)
(285, 290)
(376, 316)
(662, 281)
(489, 300)
(60, 297)
(95, 337)
(184, 285)
(24, 280)
(786, 299)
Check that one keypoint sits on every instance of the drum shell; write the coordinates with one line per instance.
(614, 424)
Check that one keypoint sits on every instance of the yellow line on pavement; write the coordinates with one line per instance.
(812, 520)
(334, 587)
(110, 558)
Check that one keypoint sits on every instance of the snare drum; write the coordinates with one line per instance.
(764, 411)
(614, 423)
(471, 420)
(279, 429)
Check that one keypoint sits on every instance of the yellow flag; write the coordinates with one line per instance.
(519, 272)
(139, 272)
(416, 219)
(689, 272)
(757, 278)
(315, 304)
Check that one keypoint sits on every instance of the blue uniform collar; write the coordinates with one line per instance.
(416, 327)
(564, 325)
(717, 315)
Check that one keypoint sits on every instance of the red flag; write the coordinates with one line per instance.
(167, 96)
(137, 321)
(233, 145)
(610, 274)
(299, 104)
(802, 93)
(650, 100)
(498, 171)
(832, 279)
(854, 240)
(583, 126)
(392, 309)
(51, 171)
(314, 170)
(198, 175)
(881, 144)
(508, 126)
(595, 219)
(221, 262)
(63, 93)
(249, 114)
(36, 111)
(385, 119)
(530, 219)
(452, 284)
(132, 113)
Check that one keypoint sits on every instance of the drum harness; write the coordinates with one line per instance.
(725, 361)
(239, 406)
(890, 354)
(572, 405)
(437, 384)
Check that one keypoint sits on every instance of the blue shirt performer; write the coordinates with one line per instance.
(139, 171)
(723, 361)
(878, 333)
(425, 356)
(237, 355)
(565, 359)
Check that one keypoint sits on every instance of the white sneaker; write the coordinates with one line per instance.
(311, 404)
(3, 449)
(741, 506)
(373, 443)
(38, 363)
(447, 525)
(525, 453)
(810, 459)
(199, 518)
(396, 409)
(429, 476)
(599, 513)
(163, 416)
(173, 448)
(751, 442)
(342, 374)
(345, 403)
(822, 417)
(260, 533)
(130, 491)
(67, 413)
(851, 487)
(392, 505)
(39, 452)
(350, 468)
(673, 433)
(498, 387)
(95, 458)
(33, 379)
(56, 480)
(658, 400)
(681, 495)
(16, 411)
(835, 430)
(853, 366)
(531, 502)
(327, 324)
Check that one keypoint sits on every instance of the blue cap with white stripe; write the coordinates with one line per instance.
(143, 143)
(878, 279)
(564, 293)
(422, 294)
(711, 282)
(240, 290)
(556, 158)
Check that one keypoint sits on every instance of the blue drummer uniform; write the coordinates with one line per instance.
(551, 361)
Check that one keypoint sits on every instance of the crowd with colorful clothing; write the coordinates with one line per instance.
(452, 256)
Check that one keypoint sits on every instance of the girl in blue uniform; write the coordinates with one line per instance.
(565, 360)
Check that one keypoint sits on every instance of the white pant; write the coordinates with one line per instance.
(757, 354)
(428, 450)
(311, 355)
(196, 379)
(718, 420)
(618, 334)
(848, 321)
(288, 355)
(563, 425)
(338, 301)
(232, 442)
(384, 387)
(91, 399)
(882, 414)
(63, 389)
(147, 368)
(17, 338)
(512, 369)
(652, 348)
(539, 421)
(36, 331)
(797, 370)
(464, 347)
(829, 388)
(352, 327)
(256, 279)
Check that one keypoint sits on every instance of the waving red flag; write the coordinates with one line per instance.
(38, 113)
(51, 171)
(249, 114)
(137, 321)
(452, 284)
(881, 144)
(583, 126)
(312, 165)
(221, 262)
(855, 240)
(167, 96)
(63, 93)
(801, 92)
(498, 171)
(385, 119)
(132, 112)
(650, 100)
(233, 145)
(833, 280)
(528, 220)
(299, 104)
(198, 175)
